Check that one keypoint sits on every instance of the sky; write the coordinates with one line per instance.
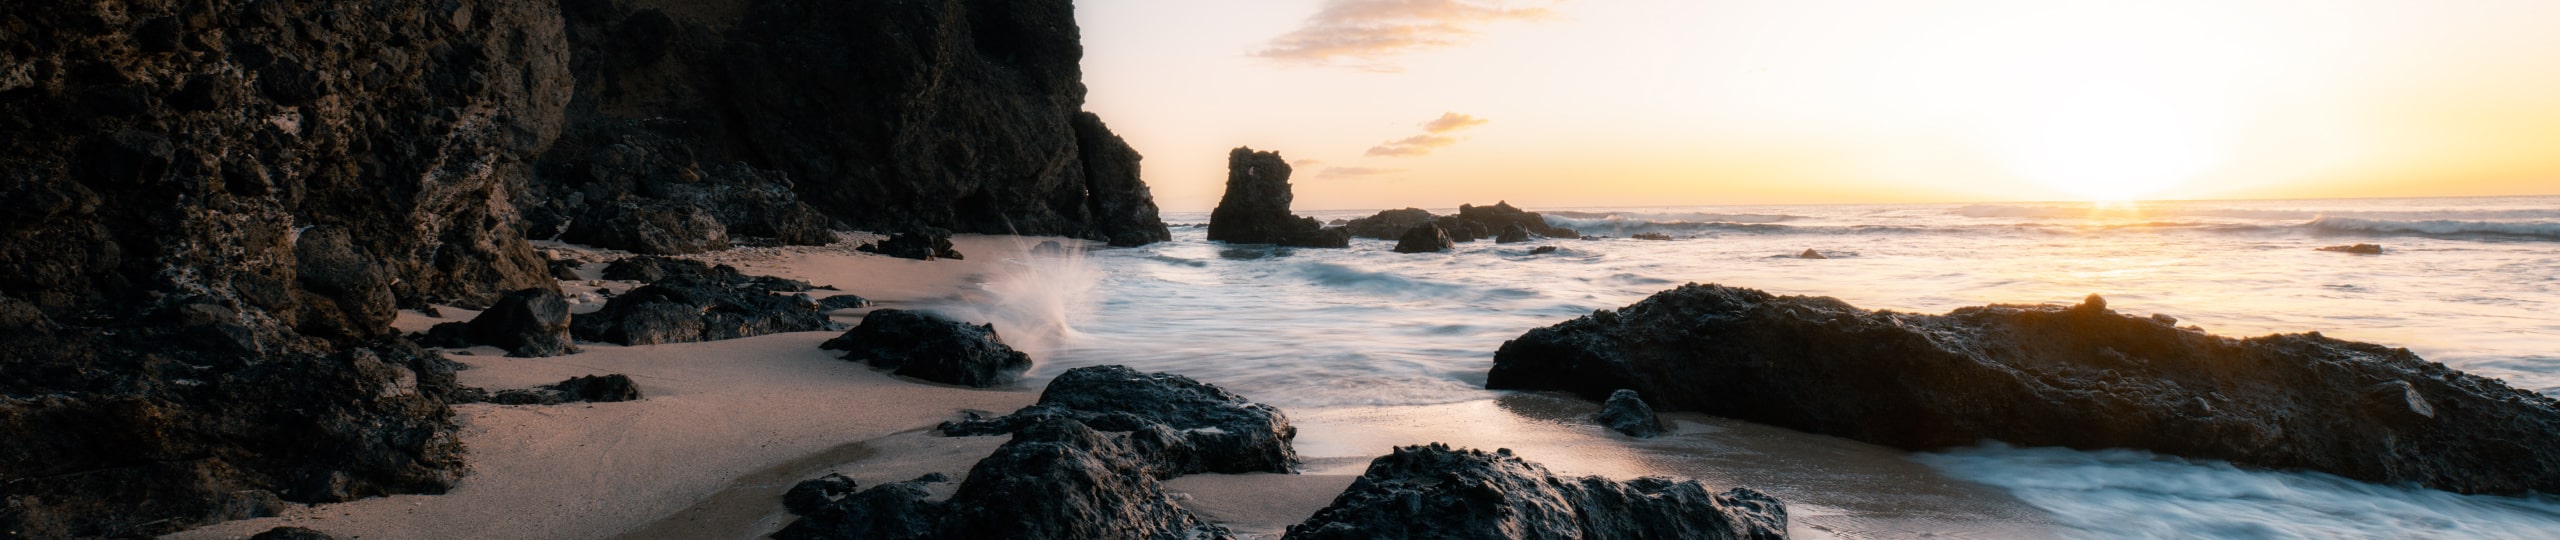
(1571, 103)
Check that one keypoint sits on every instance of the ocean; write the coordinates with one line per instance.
(1368, 349)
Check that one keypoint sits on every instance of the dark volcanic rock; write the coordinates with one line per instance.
(528, 323)
(656, 269)
(1425, 238)
(1255, 208)
(1809, 253)
(1057, 479)
(1512, 234)
(920, 244)
(582, 389)
(651, 227)
(1436, 492)
(686, 309)
(2077, 376)
(1502, 215)
(1388, 224)
(1542, 250)
(292, 533)
(781, 117)
(1208, 428)
(1501, 222)
(930, 347)
(2359, 249)
(1650, 236)
(1626, 413)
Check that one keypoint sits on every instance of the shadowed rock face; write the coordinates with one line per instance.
(1057, 479)
(1218, 431)
(781, 118)
(930, 347)
(2077, 376)
(1437, 492)
(1255, 208)
(1501, 222)
(1424, 238)
(529, 323)
(685, 309)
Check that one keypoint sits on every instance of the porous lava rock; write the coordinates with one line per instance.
(1625, 412)
(1425, 238)
(2079, 376)
(1206, 428)
(1435, 491)
(530, 323)
(1057, 479)
(1255, 208)
(931, 347)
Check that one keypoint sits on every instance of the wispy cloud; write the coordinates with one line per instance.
(1353, 172)
(1435, 136)
(1372, 31)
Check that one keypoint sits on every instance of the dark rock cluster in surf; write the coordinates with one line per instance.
(1435, 491)
(1424, 238)
(1255, 208)
(931, 347)
(2358, 249)
(1500, 222)
(2078, 376)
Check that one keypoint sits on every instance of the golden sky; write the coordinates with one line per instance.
(1433, 103)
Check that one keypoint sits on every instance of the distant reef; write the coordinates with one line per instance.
(2079, 376)
(214, 207)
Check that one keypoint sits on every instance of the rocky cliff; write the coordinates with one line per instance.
(213, 207)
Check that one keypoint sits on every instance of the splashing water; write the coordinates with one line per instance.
(1035, 296)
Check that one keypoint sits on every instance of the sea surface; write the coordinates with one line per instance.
(1367, 349)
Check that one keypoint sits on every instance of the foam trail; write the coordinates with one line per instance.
(2134, 494)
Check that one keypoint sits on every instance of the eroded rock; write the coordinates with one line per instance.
(1205, 428)
(1255, 208)
(2080, 376)
(528, 323)
(1425, 238)
(931, 347)
(1438, 492)
(1625, 412)
(1057, 479)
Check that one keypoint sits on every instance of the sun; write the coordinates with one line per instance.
(2111, 143)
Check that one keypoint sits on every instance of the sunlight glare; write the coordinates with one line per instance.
(2111, 142)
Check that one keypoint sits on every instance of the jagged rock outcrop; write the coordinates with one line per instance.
(685, 309)
(212, 210)
(1255, 208)
(1501, 222)
(931, 347)
(647, 269)
(1625, 412)
(529, 323)
(1438, 492)
(784, 118)
(581, 389)
(1424, 238)
(2077, 376)
(1219, 431)
(1057, 479)
(921, 244)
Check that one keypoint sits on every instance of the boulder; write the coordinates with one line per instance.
(1626, 413)
(1427, 238)
(841, 302)
(1502, 216)
(1255, 208)
(2078, 376)
(1471, 223)
(1389, 224)
(583, 389)
(1438, 492)
(1512, 234)
(930, 347)
(687, 309)
(2359, 249)
(650, 269)
(1208, 428)
(1057, 479)
(530, 323)
(918, 244)
(1542, 250)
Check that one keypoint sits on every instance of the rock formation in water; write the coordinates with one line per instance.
(1057, 479)
(778, 119)
(2077, 376)
(1650, 236)
(1255, 208)
(2359, 249)
(931, 347)
(1501, 222)
(1438, 492)
(529, 323)
(1625, 412)
(1809, 253)
(1218, 431)
(1424, 238)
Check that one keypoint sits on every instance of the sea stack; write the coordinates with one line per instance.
(1255, 209)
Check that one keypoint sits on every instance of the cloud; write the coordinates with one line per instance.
(1371, 31)
(1350, 172)
(1435, 136)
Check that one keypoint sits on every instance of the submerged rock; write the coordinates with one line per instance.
(530, 323)
(1809, 253)
(1649, 236)
(1255, 208)
(1438, 492)
(919, 244)
(1626, 413)
(2359, 249)
(930, 347)
(2077, 376)
(1203, 427)
(1512, 234)
(1425, 238)
(1542, 250)
(1057, 479)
